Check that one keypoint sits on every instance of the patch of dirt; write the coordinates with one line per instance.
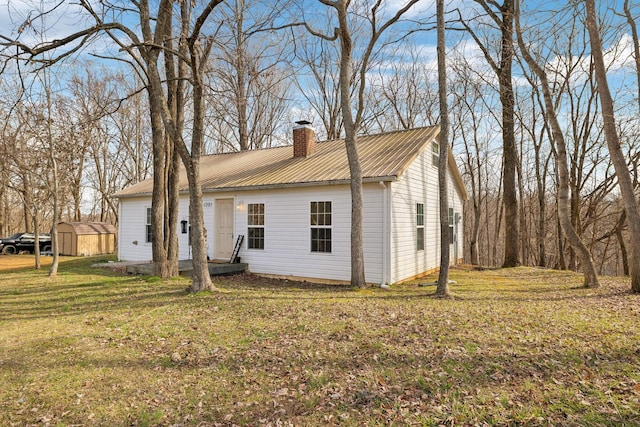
(255, 281)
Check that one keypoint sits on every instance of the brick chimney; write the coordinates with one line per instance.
(304, 139)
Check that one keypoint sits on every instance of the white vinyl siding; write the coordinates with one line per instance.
(419, 184)
(289, 219)
(132, 230)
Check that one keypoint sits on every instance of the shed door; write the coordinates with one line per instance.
(224, 228)
(66, 244)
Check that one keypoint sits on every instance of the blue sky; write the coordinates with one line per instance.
(67, 19)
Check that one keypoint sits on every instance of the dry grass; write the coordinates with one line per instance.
(518, 346)
(13, 262)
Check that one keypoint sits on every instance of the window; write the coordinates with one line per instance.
(321, 227)
(420, 226)
(452, 238)
(255, 223)
(149, 234)
(435, 153)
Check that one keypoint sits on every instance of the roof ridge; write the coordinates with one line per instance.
(325, 140)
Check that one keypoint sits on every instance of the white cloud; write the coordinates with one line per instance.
(36, 21)
(422, 7)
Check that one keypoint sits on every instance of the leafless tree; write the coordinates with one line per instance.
(351, 121)
(502, 16)
(613, 142)
(404, 91)
(442, 289)
(249, 76)
(590, 276)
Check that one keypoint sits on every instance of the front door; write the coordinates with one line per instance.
(224, 228)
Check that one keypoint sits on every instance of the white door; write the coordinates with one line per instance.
(223, 228)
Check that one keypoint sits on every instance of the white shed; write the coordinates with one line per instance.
(292, 204)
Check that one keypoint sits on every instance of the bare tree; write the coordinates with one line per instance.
(145, 53)
(320, 86)
(248, 75)
(611, 134)
(442, 289)
(502, 17)
(590, 276)
(352, 122)
(405, 93)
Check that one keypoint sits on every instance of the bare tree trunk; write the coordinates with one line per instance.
(350, 140)
(613, 142)
(442, 289)
(620, 238)
(241, 91)
(176, 72)
(542, 247)
(522, 210)
(171, 211)
(623, 252)
(159, 254)
(54, 188)
(197, 54)
(510, 151)
(503, 19)
(36, 246)
(562, 262)
(474, 249)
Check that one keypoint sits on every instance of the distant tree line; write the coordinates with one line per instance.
(552, 176)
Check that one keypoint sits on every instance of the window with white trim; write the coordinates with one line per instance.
(255, 225)
(320, 220)
(435, 154)
(148, 233)
(420, 226)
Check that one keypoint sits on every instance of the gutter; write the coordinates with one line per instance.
(389, 178)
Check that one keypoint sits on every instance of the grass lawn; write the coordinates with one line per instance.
(519, 346)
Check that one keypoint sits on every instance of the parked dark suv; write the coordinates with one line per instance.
(25, 242)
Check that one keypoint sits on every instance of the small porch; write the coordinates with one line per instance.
(185, 267)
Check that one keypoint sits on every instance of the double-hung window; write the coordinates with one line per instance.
(320, 219)
(255, 226)
(420, 226)
(148, 233)
(435, 154)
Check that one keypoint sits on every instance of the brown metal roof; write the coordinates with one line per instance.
(81, 228)
(382, 157)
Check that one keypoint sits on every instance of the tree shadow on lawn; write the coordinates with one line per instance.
(134, 292)
(88, 298)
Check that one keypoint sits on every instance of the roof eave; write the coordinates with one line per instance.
(386, 178)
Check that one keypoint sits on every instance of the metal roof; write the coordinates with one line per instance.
(91, 227)
(382, 157)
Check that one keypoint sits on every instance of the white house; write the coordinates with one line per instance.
(292, 204)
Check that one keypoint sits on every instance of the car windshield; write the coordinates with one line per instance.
(15, 236)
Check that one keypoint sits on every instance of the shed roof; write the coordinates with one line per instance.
(82, 228)
(383, 157)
